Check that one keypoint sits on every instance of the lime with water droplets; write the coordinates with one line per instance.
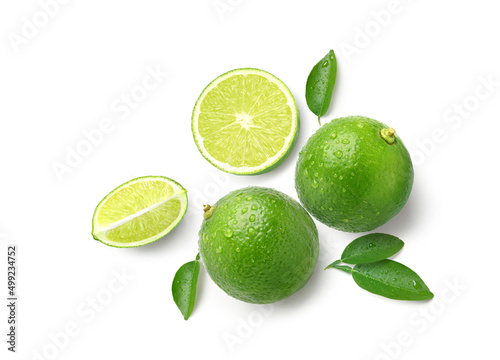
(364, 174)
(258, 245)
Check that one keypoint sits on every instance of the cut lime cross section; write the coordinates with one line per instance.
(139, 212)
(245, 122)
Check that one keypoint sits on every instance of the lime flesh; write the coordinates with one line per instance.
(245, 122)
(354, 174)
(259, 245)
(139, 212)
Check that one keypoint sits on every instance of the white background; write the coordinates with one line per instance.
(420, 72)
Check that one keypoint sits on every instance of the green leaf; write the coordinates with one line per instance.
(335, 265)
(320, 83)
(391, 279)
(370, 248)
(184, 286)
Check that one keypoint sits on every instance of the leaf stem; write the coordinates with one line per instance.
(335, 265)
(208, 211)
(388, 135)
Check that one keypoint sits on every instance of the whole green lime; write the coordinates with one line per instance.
(354, 174)
(258, 245)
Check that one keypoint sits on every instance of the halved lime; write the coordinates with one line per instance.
(139, 212)
(245, 122)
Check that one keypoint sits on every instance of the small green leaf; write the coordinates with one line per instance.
(184, 286)
(391, 279)
(320, 83)
(370, 248)
(335, 265)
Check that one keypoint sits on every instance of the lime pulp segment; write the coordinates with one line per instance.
(245, 122)
(139, 212)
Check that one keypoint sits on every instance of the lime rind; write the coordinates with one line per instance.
(271, 162)
(180, 193)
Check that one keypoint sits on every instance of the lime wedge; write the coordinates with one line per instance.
(139, 212)
(245, 122)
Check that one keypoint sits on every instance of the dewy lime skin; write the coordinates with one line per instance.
(258, 245)
(354, 174)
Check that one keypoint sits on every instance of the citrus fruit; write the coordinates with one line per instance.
(258, 245)
(245, 122)
(139, 212)
(354, 174)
